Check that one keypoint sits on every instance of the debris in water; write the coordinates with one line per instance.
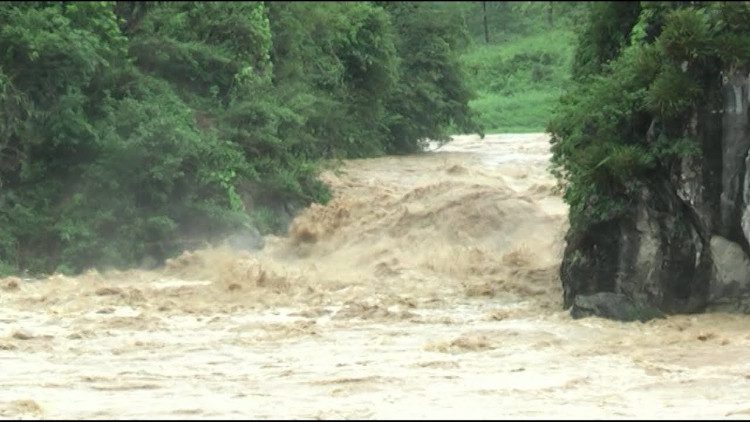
(706, 336)
(108, 291)
(22, 334)
(10, 283)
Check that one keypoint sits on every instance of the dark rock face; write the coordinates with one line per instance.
(729, 289)
(682, 247)
(615, 306)
(654, 256)
(734, 146)
(590, 261)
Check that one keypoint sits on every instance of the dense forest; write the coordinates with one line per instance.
(133, 130)
(138, 129)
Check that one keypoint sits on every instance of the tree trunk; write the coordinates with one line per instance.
(486, 30)
(549, 14)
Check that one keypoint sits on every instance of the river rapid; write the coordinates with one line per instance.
(427, 288)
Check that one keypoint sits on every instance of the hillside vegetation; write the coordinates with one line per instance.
(521, 72)
(133, 130)
(130, 131)
(642, 73)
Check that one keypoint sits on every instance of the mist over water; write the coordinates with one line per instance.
(427, 288)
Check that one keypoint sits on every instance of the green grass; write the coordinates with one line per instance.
(518, 81)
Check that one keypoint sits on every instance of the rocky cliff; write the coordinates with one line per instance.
(683, 246)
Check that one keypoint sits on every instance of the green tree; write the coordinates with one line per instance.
(136, 129)
(432, 95)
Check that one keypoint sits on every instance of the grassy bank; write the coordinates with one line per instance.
(518, 80)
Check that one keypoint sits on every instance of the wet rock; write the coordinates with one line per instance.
(735, 142)
(683, 245)
(615, 306)
(732, 267)
(745, 218)
(654, 254)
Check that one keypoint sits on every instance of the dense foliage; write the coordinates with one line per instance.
(136, 129)
(640, 82)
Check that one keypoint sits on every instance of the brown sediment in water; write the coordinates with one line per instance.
(426, 288)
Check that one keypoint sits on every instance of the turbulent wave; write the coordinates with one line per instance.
(426, 288)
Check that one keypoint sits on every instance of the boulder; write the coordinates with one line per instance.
(732, 270)
(654, 254)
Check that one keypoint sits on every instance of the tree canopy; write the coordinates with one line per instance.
(136, 129)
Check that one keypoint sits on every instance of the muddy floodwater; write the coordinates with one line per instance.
(427, 288)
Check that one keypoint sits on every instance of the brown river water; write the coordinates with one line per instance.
(427, 288)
